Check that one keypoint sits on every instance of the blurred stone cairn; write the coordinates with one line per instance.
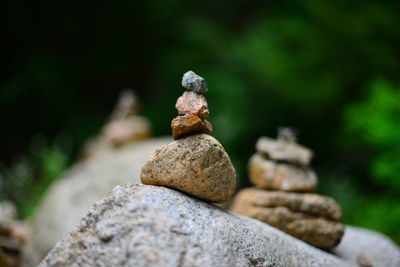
(124, 126)
(283, 179)
(114, 157)
(195, 163)
(13, 234)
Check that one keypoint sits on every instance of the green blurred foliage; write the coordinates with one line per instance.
(306, 64)
(374, 122)
(25, 181)
(371, 126)
(376, 208)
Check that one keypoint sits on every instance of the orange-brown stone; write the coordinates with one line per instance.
(189, 124)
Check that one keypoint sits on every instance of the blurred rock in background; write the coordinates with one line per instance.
(113, 158)
(13, 234)
(124, 126)
(69, 198)
(367, 248)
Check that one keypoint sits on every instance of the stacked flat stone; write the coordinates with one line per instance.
(195, 162)
(282, 165)
(283, 179)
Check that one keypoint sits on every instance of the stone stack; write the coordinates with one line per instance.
(13, 234)
(282, 164)
(123, 127)
(283, 179)
(195, 163)
(192, 108)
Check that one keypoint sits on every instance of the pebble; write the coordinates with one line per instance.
(197, 165)
(193, 104)
(193, 82)
(189, 124)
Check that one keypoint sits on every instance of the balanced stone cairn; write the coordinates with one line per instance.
(278, 170)
(125, 126)
(195, 163)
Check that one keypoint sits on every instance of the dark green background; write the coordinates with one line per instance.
(328, 68)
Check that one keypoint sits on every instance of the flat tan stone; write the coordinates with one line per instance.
(189, 124)
(197, 165)
(268, 174)
(320, 231)
(307, 203)
(279, 150)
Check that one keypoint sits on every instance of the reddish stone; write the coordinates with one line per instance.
(193, 104)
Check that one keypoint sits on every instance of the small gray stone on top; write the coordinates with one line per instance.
(193, 82)
(287, 134)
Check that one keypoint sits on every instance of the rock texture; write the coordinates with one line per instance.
(197, 165)
(309, 217)
(68, 199)
(368, 248)
(189, 124)
(284, 151)
(8, 213)
(13, 234)
(193, 82)
(268, 174)
(193, 104)
(138, 225)
(311, 204)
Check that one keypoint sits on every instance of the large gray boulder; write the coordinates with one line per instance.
(368, 248)
(143, 225)
(69, 198)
